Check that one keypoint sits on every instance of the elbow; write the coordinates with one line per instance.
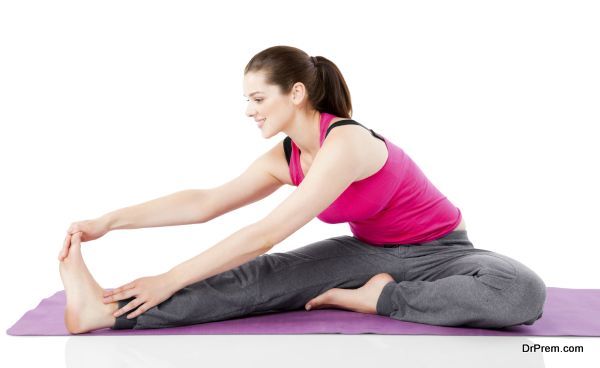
(273, 230)
(266, 237)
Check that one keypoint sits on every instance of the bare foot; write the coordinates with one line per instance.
(363, 300)
(85, 309)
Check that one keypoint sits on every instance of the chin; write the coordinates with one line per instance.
(267, 135)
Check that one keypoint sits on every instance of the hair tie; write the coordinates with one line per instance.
(314, 60)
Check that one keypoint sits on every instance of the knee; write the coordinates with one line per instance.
(521, 292)
(526, 297)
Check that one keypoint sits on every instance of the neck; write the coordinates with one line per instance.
(305, 130)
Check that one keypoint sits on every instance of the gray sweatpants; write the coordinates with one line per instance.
(445, 282)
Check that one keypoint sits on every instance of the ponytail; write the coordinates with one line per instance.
(325, 84)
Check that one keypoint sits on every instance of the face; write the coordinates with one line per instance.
(267, 104)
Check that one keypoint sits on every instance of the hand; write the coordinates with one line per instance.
(148, 291)
(89, 229)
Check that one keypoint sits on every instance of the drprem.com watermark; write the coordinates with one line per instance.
(535, 348)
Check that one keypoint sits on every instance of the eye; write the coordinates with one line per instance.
(257, 100)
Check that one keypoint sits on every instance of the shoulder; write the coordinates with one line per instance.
(348, 134)
(349, 127)
(276, 162)
(344, 143)
(368, 154)
(343, 148)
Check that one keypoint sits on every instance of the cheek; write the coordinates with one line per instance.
(269, 111)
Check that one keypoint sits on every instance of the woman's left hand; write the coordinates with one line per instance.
(148, 292)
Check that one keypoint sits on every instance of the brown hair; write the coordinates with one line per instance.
(285, 65)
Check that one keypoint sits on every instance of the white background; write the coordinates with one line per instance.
(109, 104)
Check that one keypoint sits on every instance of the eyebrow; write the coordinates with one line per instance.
(253, 93)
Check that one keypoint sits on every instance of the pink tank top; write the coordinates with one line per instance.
(396, 205)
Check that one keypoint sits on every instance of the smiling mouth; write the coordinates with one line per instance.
(261, 122)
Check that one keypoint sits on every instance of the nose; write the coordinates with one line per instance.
(250, 112)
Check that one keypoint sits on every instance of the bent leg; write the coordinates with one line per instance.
(269, 283)
(463, 286)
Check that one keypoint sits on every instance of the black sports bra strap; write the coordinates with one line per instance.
(353, 122)
(287, 148)
(287, 142)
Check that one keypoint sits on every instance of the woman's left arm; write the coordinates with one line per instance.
(240, 247)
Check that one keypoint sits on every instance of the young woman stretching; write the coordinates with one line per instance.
(409, 257)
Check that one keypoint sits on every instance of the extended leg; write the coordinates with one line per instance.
(270, 283)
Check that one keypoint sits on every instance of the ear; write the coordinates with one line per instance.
(298, 93)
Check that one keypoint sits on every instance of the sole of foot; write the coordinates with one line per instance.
(363, 300)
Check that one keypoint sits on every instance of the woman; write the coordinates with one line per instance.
(409, 257)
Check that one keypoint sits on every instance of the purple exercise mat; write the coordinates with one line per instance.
(567, 312)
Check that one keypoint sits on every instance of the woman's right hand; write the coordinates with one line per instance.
(89, 229)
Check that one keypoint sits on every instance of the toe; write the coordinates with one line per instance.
(319, 300)
(313, 303)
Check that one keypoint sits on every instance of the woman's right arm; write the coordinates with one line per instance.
(180, 208)
(195, 206)
(191, 206)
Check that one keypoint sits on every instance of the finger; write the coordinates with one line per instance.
(131, 305)
(76, 237)
(65, 249)
(73, 229)
(62, 250)
(75, 243)
(108, 292)
(121, 295)
(141, 309)
(118, 296)
(119, 289)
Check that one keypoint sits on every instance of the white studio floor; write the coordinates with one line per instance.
(290, 351)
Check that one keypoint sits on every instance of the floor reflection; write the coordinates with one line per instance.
(299, 351)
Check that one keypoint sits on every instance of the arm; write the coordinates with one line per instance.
(240, 247)
(336, 166)
(194, 206)
(180, 208)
